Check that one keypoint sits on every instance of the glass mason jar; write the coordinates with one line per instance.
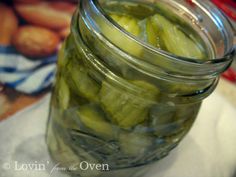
(119, 103)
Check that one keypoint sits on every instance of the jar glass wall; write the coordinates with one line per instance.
(122, 104)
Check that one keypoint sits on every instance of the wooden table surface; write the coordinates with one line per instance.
(12, 101)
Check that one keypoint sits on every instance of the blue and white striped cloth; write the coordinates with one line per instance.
(23, 74)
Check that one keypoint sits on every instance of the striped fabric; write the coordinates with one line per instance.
(24, 74)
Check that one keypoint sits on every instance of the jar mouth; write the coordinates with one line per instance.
(209, 67)
(227, 57)
(224, 58)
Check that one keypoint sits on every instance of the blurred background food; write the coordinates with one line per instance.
(45, 18)
(52, 15)
(31, 32)
(8, 24)
(33, 41)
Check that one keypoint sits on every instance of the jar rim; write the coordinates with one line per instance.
(224, 58)
(193, 68)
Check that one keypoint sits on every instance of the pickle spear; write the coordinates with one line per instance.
(125, 109)
(175, 40)
(134, 144)
(161, 118)
(84, 84)
(129, 24)
(149, 91)
(151, 34)
(95, 121)
(63, 93)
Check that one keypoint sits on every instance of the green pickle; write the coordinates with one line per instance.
(151, 34)
(63, 93)
(112, 119)
(93, 119)
(89, 89)
(129, 24)
(175, 40)
(125, 109)
(134, 144)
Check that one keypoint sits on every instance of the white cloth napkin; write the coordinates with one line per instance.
(209, 150)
